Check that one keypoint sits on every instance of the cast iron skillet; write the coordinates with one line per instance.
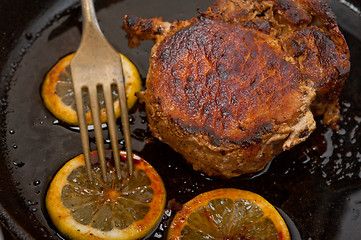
(316, 186)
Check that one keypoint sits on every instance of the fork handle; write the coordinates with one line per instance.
(89, 17)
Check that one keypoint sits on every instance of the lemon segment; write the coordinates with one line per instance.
(129, 208)
(58, 94)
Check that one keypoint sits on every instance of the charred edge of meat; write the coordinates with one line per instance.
(142, 29)
(262, 133)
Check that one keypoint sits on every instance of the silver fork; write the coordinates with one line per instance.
(97, 64)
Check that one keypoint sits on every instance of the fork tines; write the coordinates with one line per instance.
(95, 113)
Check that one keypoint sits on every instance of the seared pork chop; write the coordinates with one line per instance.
(241, 82)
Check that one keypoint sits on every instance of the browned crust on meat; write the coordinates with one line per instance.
(225, 81)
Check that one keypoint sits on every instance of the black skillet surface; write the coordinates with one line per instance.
(316, 185)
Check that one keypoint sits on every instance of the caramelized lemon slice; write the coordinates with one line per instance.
(58, 94)
(228, 214)
(129, 208)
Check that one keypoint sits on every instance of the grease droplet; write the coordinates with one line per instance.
(20, 164)
(36, 183)
(30, 203)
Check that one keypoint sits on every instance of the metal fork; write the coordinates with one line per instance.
(96, 64)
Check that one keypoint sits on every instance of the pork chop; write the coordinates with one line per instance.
(240, 83)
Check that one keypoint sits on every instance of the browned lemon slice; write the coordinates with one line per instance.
(58, 94)
(228, 214)
(129, 208)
